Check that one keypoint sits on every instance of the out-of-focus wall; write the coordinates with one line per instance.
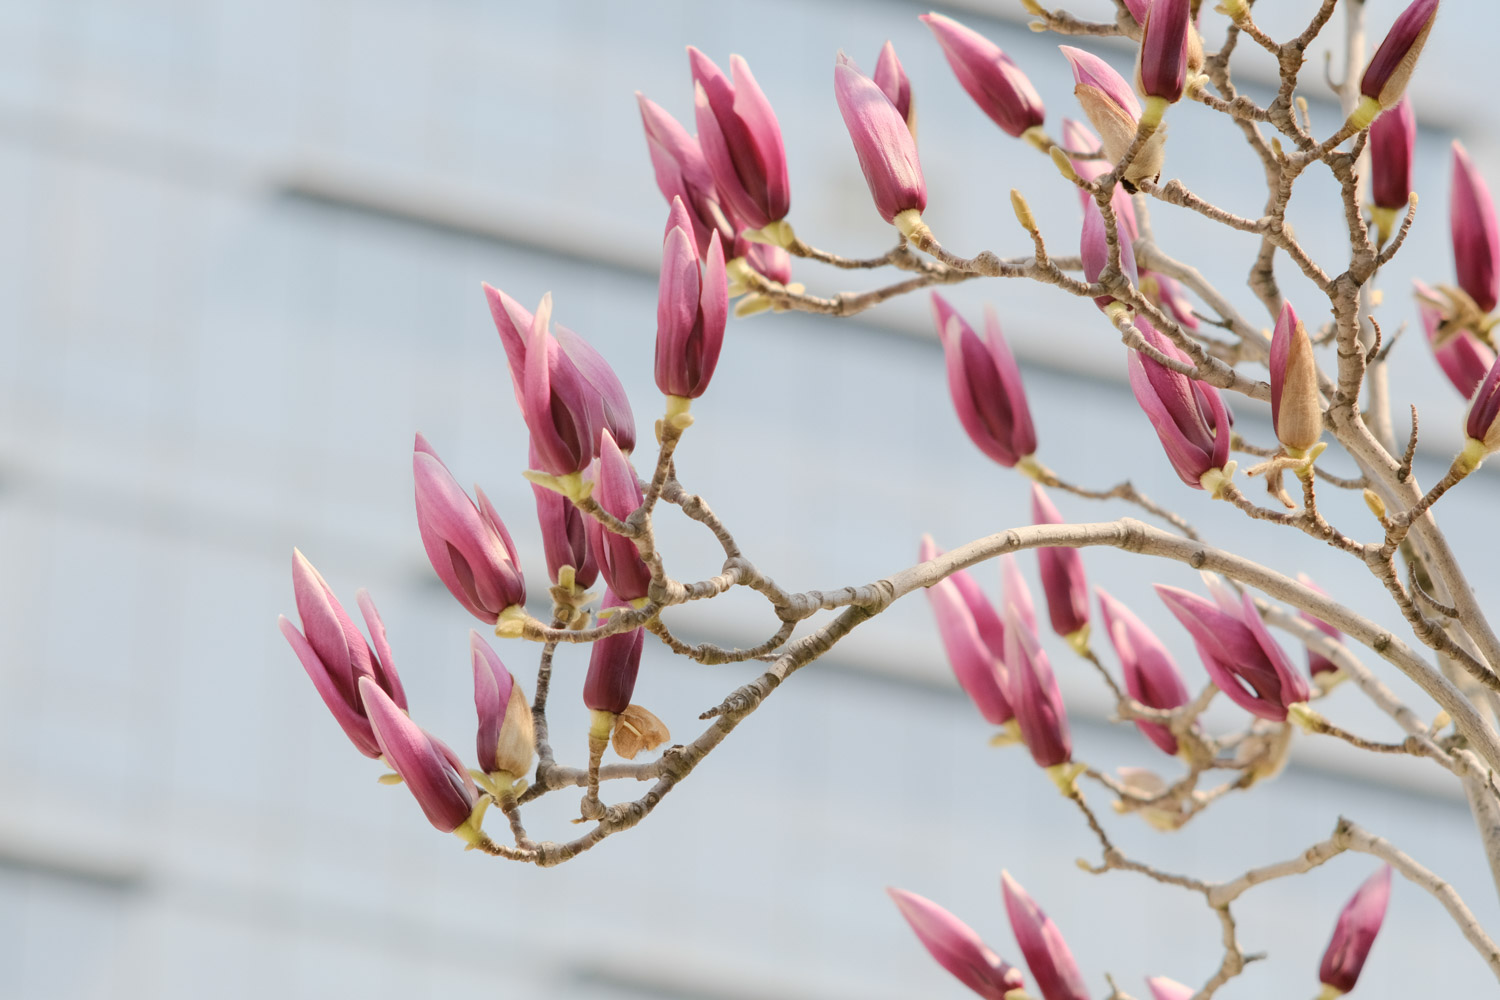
(240, 253)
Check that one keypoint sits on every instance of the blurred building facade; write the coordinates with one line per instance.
(242, 246)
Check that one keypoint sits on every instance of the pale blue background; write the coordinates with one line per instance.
(240, 253)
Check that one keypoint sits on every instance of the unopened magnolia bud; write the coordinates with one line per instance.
(1483, 423)
(987, 74)
(1376, 505)
(882, 141)
(1116, 114)
(1354, 934)
(1162, 60)
(1295, 408)
(1386, 77)
(506, 739)
(1476, 233)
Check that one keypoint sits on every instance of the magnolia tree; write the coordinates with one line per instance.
(1189, 348)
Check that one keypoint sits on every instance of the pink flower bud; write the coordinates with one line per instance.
(1161, 64)
(957, 948)
(682, 172)
(1151, 676)
(1163, 988)
(1317, 663)
(1481, 424)
(613, 664)
(435, 775)
(336, 656)
(741, 141)
(1167, 294)
(1014, 593)
(972, 637)
(1094, 243)
(1476, 234)
(987, 74)
(1188, 415)
(1062, 573)
(1393, 139)
(1033, 694)
(891, 79)
(1079, 138)
(619, 493)
(1238, 652)
(1296, 411)
(1047, 955)
(885, 147)
(691, 309)
(468, 546)
(1463, 357)
(506, 739)
(593, 387)
(1355, 932)
(768, 261)
(1112, 107)
(1388, 72)
(564, 536)
(986, 386)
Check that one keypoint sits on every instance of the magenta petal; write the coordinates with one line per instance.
(1476, 233)
(985, 385)
(956, 947)
(1281, 346)
(741, 141)
(1062, 573)
(513, 323)
(1014, 593)
(432, 772)
(1484, 408)
(1081, 139)
(893, 82)
(1094, 242)
(1317, 663)
(1231, 653)
(1091, 71)
(492, 687)
(676, 311)
(613, 665)
(1033, 694)
(1464, 359)
(385, 666)
(974, 662)
(352, 722)
(1390, 62)
(607, 396)
(754, 110)
(1047, 955)
(470, 551)
(682, 172)
(1161, 69)
(564, 536)
(328, 630)
(988, 76)
(619, 493)
(1354, 934)
(1293, 686)
(1393, 139)
(882, 141)
(1151, 676)
(1163, 988)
